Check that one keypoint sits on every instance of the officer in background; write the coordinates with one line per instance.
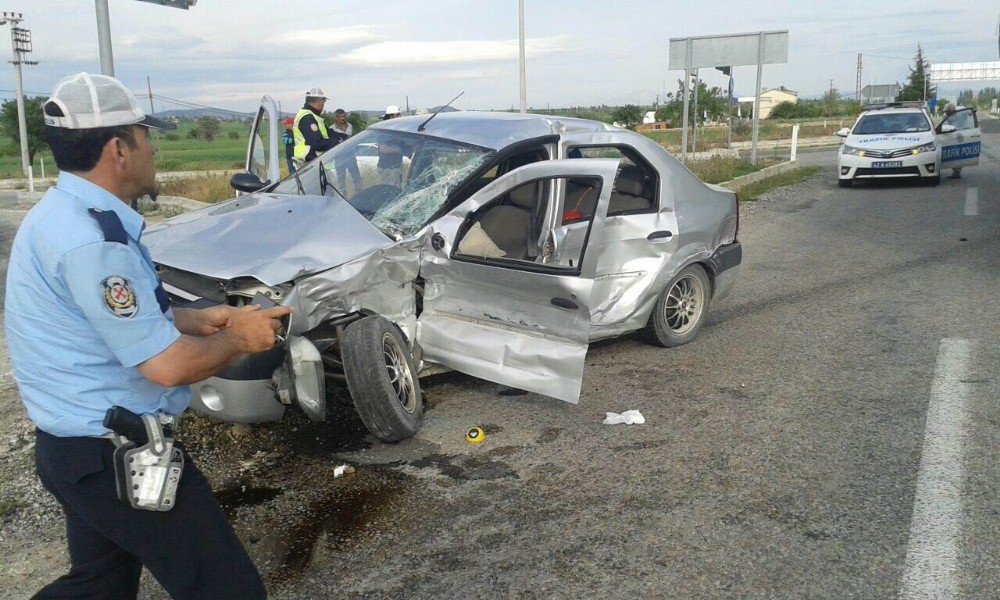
(311, 136)
(90, 327)
(390, 154)
(288, 140)
(950, 110)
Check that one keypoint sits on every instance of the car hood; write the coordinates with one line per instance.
(890, 141)
(273, 238)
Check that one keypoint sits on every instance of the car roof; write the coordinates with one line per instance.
(890, 110)
(494, 130)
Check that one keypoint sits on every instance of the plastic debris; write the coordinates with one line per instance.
(342, 470)
(475, 435)
(629, 417)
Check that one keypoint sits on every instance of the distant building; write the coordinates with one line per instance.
(768, 100)
(879, 93)
(653, 126)
(649, 117)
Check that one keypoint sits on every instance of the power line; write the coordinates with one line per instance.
(890, 57)
(188, 104)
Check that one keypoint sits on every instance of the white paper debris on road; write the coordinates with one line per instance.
(629, 417)
(342, 470)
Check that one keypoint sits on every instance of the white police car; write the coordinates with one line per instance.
(900, 141)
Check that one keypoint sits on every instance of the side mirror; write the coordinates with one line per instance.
(843, 132)
(946, 128)
(247, 182)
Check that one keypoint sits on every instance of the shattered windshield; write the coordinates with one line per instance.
(398, 181)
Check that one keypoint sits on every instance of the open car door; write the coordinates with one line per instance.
(263, 160)
(960, 148)
(508, 282)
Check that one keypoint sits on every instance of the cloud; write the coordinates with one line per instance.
(339, 37)
(399, 54)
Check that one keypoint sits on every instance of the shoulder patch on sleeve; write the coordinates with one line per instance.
(314, 127)
(119, 297)
(111, 226)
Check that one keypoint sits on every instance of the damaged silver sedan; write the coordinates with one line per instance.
(500, 247)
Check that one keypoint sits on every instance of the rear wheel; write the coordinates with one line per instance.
(382, 379)
(680, 308)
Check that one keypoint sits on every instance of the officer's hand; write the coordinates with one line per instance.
(215, 318)
(255, 327)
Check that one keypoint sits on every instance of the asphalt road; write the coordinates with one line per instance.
(832, 433)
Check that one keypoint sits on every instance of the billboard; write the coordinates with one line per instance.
(733, 50)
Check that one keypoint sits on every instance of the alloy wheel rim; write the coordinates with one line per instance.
(684, 305)
(400, 375)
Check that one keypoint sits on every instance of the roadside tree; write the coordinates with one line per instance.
(919, 77)
(34, 120)
(207, 128)
(357, 121)
(628, 116)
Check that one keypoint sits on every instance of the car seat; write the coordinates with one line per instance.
(630, 191)
(509, 224)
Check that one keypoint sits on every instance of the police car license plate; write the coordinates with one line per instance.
(887, 164)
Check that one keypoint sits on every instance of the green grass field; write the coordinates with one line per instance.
(715, 137)
(179, 153)
(182, 154)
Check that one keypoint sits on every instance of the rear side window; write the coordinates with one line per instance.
(634, 192)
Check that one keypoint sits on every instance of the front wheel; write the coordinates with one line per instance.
(844, 183)
(680, 308)
(935, 180)
(382, 379)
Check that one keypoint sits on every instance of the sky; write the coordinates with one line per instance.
(366, 54)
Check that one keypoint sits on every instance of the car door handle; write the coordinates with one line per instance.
(564, 303)
(659, 235)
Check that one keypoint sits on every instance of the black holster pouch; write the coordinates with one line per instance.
(148, 467)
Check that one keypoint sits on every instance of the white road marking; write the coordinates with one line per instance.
(972, 202)
(932, 551)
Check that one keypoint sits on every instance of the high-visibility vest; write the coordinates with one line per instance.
(301, 148)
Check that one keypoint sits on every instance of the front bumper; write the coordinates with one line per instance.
(850, 166)
(235, 401)
(256, 388)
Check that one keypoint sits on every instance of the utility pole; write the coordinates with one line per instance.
(104, 38)
(20, 40)
(857, 85)
(520, 20)
(407, 104)
(694, 132)
(104, 29)
(149, 88)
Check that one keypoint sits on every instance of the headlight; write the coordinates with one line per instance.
(853, 150)
(925, 148)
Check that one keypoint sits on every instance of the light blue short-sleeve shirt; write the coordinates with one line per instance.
(81, 313)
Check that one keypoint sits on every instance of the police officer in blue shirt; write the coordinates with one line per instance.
(90, 327)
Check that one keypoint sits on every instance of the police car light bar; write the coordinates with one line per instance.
(185, 4)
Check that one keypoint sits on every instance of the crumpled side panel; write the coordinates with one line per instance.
(630, 273)
(379, 282)
(535, 363)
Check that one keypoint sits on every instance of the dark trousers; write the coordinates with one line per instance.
(191, 550)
